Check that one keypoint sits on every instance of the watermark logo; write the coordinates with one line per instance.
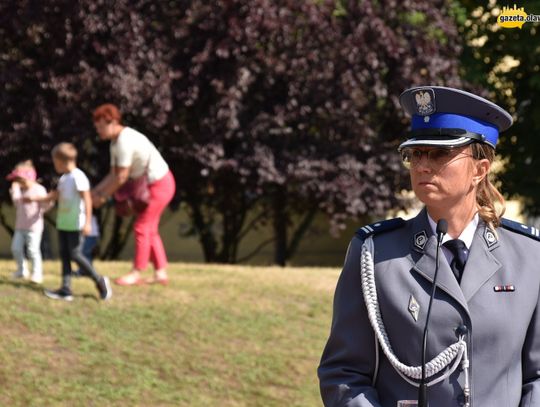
(515, 17)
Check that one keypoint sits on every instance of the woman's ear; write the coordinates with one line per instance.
(482, 167)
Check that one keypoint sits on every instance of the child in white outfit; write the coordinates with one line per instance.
(28, 220)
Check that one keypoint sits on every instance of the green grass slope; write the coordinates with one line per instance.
(216, 336)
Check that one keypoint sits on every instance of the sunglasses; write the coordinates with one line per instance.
(436, 157)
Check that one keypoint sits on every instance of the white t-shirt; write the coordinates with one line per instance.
(71, 214)
(133, 149)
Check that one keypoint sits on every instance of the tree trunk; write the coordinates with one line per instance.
(118, 239)
(279, 222)
(206, 237)
(300, 231)
(233, 221)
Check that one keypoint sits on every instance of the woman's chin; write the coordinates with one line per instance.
(432, 199)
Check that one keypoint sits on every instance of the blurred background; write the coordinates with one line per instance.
(280, 119)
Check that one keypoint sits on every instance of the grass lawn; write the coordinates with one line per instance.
(216, 336)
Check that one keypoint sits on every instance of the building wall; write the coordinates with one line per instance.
(317, 249)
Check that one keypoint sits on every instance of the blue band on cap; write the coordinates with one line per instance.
(457, 121)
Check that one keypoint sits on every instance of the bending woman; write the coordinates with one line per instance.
(132, 156)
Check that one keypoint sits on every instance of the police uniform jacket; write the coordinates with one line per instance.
(497, 301)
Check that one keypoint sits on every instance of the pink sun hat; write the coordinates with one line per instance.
(25, 173)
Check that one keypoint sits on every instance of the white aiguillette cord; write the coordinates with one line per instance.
(457, 351)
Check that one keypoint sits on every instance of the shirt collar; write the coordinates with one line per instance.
(466, 236)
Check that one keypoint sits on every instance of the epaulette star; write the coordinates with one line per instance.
(382, 226)
(517, 227)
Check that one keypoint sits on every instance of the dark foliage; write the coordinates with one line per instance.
(267, 111)
(58, 61)
(490, 61)
(291, 108)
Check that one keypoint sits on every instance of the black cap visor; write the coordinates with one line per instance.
(446, 138)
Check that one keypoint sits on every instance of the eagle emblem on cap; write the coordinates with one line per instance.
(425, 102)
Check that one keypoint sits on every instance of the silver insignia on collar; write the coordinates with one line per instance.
(420, 239)
(414, 308)
(490, 237)
(425, 101)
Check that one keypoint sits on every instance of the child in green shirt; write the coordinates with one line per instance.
(73, 222)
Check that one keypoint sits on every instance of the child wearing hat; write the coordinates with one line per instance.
(28, 220)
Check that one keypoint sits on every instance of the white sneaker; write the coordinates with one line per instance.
(36, 279)
(24, 274)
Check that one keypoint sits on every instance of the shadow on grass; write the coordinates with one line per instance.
(86, 297)
(21, 284)
(38, 288)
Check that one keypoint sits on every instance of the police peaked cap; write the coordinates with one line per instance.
(447, 117)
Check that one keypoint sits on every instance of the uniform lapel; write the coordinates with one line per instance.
(425, 261)
(481, 264)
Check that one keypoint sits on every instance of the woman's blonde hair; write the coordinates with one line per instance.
(491, 203)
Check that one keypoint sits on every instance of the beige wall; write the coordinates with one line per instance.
(317, 248)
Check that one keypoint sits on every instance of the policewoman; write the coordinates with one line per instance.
(483, 346)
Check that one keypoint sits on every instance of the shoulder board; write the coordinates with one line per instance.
(517, 227)
(375, 228)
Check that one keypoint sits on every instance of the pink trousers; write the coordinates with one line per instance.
(148, 244)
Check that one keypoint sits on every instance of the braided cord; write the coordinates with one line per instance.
(437, 364)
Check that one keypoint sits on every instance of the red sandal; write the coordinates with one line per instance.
(159, 278)
(128, 280)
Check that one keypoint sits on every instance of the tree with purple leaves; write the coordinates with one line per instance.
(59, 60)
(290, 110)
(269, 112)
